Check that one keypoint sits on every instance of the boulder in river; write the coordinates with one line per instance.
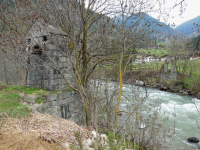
(193, 140)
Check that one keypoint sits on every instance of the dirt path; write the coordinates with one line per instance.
(26, 141)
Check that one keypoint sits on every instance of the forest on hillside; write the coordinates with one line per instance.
(90, 48)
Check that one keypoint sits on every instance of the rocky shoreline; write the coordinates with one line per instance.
(179, 89)
(163, 87)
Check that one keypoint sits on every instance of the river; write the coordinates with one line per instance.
(182, 109)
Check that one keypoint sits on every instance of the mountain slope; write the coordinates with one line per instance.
(189, 26)
(149, 24)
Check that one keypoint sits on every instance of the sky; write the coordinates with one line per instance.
(192, 11)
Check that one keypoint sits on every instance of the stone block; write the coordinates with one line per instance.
(51, 71)
(32, 67)
(48, 52)
(68, 76)
(45, 71)
(77, 97)
(56, 81)
(55, 103)
(40, 67)
(29, 77)
(58, 114)
(54, 108)
(58, 109)
(62, 59)
(55, 53)
(30, 82)
(39, 62)
(32, 61)
(34, 72)
(52, 76)
(48, 105)
(35, 77)
(48, 88)
(61, 65)
(49, 111)
(30, 98)
(166, 66)
(62, 86)
(53, 88)
(74, 118)
(52, 82)
(64, 95)
(68, 99)
(52, 97)
(49, 46)
(58, 87)
(38, 82)
(62, 102)
(46, 77)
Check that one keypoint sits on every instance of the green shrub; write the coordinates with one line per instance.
(10, 104)
(39, 100)
(43, 109)
(69, 90)
(26, 90)
(54, 92)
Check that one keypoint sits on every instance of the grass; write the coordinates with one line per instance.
(190, 76)
(114, 142)
(39, 100)
(147, 65)
(54, 92)
(26, 90)
(154, 51)
(11, 102)
(69, 90)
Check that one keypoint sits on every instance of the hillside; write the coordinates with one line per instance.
(189, 26)
(150, 25)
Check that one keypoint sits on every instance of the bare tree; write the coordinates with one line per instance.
(86, 24)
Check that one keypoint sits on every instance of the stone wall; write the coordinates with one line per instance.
(44, 66)
(48, 67)
(169, 76)
(165, 77)
(67, 105)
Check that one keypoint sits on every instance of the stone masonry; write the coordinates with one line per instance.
(48, 67)
(169, 76)
(65, 105)
(47, 63)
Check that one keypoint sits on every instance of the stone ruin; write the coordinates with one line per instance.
(47, 66)
(47, 54)
(169, 76)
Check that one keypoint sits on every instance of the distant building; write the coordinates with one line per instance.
(151, 58)
(148, 58)
(165, 57)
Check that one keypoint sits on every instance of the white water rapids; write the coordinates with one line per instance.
(182, 109)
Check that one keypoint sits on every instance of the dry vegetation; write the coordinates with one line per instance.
(39, 131)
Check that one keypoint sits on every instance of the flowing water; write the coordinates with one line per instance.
(182, 109)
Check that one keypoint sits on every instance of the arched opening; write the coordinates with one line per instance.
(44, 38)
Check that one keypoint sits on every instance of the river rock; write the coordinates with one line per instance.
(193, 140)
(162, 88)
(198, 146)
(30, 98)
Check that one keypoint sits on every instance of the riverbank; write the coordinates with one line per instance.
(152, 79)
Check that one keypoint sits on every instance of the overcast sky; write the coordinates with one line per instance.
(192, 11)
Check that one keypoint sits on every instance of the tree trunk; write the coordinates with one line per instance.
(4, 69)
